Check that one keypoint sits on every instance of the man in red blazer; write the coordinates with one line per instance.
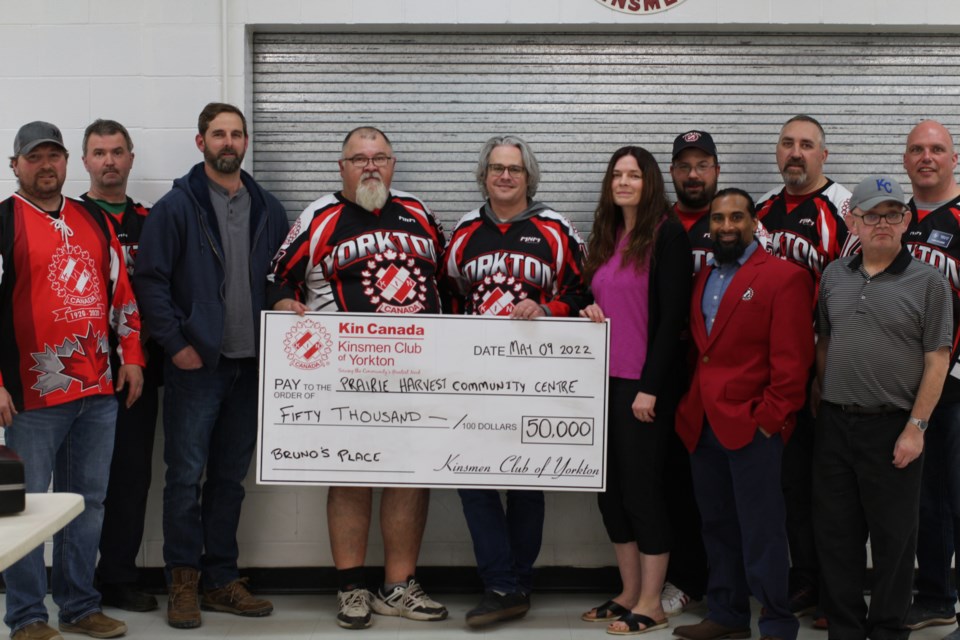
(752, 329)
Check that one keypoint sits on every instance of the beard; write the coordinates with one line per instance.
(693, 202)
(371, 192)
(794, 179)
(222, 162)
(728, 253)
(37, 192)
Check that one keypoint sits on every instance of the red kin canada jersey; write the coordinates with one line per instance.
(933, 236)
(339, 256)
(697, 225)
(491, 266)
(63, 289)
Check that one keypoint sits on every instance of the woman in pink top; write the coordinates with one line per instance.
(639, 267)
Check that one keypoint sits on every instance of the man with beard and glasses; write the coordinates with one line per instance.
(64, 299)
(200, 278)
(325, 264)
(695, 169)
(885, 333)
(804, 223)
(752, 328)
(108, 158)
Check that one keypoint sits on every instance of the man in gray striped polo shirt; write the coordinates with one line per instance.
(884, 344)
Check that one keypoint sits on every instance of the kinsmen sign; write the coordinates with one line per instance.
(640, 7)
(439, 401)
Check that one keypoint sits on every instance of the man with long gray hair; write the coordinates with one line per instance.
(512, 256)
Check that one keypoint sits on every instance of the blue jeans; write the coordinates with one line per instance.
(939, 508)
(73, 442)
(209, 424)
(505, 543)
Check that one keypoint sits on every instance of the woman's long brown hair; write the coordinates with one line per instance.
(608, 217)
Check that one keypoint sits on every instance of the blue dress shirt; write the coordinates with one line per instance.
(717, 282)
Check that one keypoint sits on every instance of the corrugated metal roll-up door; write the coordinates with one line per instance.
(577, 97)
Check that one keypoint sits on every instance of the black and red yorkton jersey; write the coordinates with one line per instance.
(807, 230)
(934, 237)
(63, 289)
(339, 256)
(697, 226)
(494, 265)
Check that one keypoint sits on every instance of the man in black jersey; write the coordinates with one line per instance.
(108, 158)
(695, 169)
(803, 223)
(325, 264)
(513, 257)
(934, 237)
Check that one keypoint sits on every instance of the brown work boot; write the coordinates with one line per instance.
(37, 631)
(183, 611)
(96, 625)
(236, 598)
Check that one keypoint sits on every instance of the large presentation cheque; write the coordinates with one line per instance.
(432, 401)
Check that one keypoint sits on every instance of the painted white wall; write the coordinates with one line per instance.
(153, 64)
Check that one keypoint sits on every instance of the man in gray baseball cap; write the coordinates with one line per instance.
(885, 333)
(33, 134)
(874, 191)
(67, 299)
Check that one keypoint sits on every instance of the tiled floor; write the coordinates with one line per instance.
(553, 617)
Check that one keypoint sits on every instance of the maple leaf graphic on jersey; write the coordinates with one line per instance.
(122, 319)
(82, 360)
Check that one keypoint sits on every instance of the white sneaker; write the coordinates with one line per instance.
(354, 609)
(674, 601)
(409, 601)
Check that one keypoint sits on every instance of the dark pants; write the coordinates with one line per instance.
(744, 532)
(688, 559)
(797, 479)
(506, 543)
(634, 506)
(859, 493)
(210, 427)
(939, 508)
(126, 505)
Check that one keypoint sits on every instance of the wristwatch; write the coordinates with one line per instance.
(919, 424)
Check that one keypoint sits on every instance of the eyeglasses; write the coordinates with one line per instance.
(361, 161)
(496, 169)
(873, 219)
(701, 167)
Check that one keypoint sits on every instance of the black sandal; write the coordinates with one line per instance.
(633, 622)
(607, 612)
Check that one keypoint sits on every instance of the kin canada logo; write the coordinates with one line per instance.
(640, 7)
(73, 277)
(400, 285)
(308, 345)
